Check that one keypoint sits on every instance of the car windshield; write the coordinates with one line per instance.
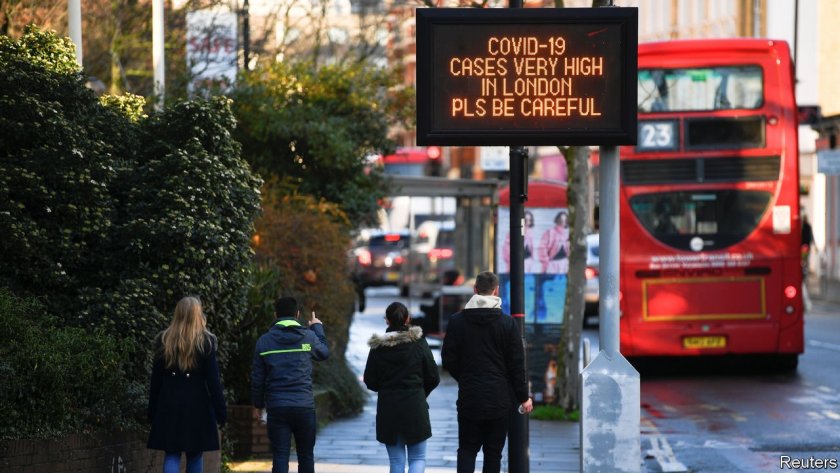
(720, 217)
(700, 89)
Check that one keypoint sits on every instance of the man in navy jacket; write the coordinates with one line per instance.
(281, 383)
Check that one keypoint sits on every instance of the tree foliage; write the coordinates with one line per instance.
(316, 127)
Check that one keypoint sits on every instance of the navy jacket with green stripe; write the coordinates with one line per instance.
(282, 370)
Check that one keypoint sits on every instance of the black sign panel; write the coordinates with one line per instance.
(510, 77)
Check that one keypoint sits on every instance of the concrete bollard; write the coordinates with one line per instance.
(610, 416)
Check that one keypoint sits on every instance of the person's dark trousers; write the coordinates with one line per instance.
(283, 422)
(474, 435)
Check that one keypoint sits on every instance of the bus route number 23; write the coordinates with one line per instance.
(657, 135)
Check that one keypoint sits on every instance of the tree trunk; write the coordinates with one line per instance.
(577, 162)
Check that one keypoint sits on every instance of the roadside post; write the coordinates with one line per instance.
(518, 77)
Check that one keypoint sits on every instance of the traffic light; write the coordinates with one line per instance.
(433, 167)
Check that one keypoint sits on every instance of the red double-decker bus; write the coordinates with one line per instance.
(710, 230)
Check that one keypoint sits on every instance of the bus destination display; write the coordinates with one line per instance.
(547, 76)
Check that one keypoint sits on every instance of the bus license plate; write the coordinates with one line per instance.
(704, 342)
(392, 276)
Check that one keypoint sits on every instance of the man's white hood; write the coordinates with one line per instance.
(478, 301)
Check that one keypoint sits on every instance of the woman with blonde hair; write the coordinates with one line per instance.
(186, 400)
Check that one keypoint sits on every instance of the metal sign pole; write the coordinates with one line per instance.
(518, 438)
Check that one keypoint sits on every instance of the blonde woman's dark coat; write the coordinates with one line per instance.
(186, 406)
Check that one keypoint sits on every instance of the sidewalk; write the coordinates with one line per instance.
(350, 446)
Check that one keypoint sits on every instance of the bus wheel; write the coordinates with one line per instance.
(787, 363)
(404, 291)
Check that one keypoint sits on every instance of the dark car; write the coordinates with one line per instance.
(379, 262)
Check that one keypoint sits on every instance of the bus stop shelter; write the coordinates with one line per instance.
(476, 204)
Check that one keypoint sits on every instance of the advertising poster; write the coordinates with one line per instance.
(546, 258)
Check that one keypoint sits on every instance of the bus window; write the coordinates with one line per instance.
(722, 217)
(701, 89)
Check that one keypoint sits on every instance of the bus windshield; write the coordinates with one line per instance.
(700, 89)
(721, 217)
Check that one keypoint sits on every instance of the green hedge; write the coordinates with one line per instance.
(109, 217)
(56, 380)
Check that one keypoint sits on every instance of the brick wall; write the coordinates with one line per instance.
(108, 453)
(249, 435)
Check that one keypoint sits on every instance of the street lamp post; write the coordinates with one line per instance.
(74, 26)
(158, 53)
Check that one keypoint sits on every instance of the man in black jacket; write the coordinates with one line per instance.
(281, 382)
(483, 351)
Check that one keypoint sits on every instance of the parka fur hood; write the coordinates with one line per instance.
(392, 339)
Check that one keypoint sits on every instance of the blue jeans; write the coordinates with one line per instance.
(416, 456)
(172, 462)
(283, 422)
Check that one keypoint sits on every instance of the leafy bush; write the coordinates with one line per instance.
(348, 398)
(553, 412)
(188, 203)
(56, 380)
(129, 105)
(58, 152)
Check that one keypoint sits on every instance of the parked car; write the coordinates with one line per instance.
(591, 292)
(379, 262)
(432, 254)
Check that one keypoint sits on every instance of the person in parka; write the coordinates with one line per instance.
(483, 352)
(401, 368)
(281, 382)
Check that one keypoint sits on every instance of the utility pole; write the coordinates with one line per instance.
(158, 61)
(74, 26)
